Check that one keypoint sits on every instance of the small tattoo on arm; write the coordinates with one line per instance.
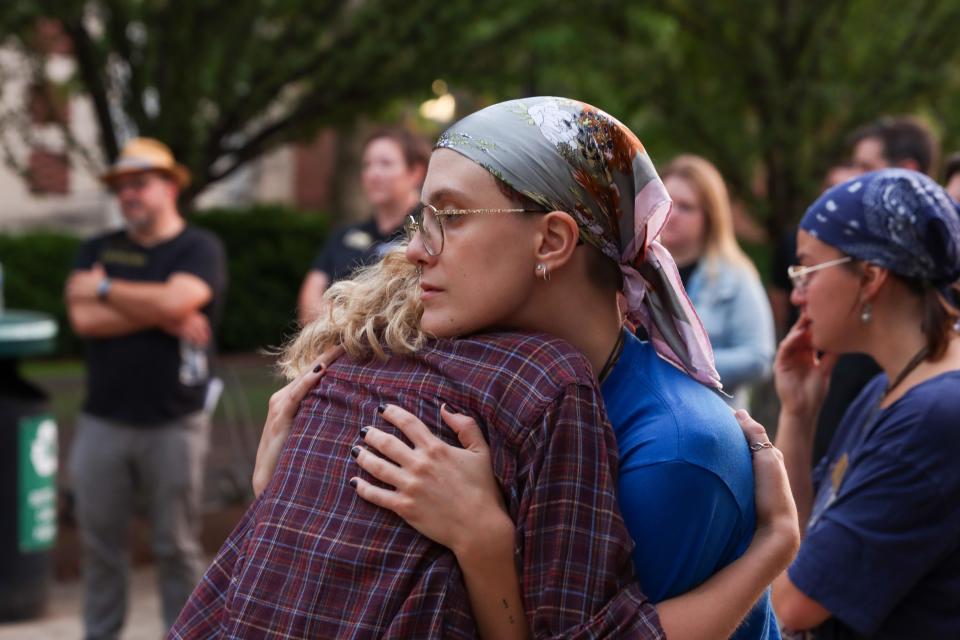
(509, 616)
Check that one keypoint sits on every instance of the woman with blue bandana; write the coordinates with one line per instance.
(880, 556)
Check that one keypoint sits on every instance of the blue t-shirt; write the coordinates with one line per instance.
(686, 478)
(882, 549)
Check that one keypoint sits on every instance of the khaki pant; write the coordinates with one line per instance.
(116, 466)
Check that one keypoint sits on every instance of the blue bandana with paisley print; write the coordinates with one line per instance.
(894, 218)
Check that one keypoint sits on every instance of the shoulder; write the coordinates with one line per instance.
(343, 231)
(924, 422)
(661, 414)
(737, 276)
(718, 278)
(520, 384)
(532, 358)
(200, 237)
(110, 237)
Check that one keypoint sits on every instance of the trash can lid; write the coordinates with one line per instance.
(26, 333)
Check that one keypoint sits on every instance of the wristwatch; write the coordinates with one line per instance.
(103, 289)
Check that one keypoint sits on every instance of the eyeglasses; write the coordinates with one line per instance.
(800, 276)
(429, 223)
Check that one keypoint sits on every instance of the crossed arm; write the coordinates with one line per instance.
(172, 306)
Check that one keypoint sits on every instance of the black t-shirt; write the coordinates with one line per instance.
(354, 246)
(136, 379)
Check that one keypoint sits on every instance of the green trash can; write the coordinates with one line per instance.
(28, 469)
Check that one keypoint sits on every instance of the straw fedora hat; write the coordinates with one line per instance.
(146, 154)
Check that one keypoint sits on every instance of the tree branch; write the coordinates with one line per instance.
(91, 68)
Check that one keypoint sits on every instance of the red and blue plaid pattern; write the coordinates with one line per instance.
(310, 559)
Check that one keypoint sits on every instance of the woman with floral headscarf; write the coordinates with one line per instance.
(685, 485)
(880, 558)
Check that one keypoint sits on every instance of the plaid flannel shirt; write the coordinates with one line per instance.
(310, 559)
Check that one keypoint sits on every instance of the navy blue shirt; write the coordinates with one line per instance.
(882, 549)
(686, 478)
(354, 246)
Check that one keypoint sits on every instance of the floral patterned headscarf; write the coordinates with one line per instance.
(569, 156)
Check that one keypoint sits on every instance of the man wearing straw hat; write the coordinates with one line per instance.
(146, 299)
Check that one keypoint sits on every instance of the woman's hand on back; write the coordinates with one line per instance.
(282, 408)
(447, 493)
(801, 375)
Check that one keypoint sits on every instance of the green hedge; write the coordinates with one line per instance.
(34, 269)
(269, 249)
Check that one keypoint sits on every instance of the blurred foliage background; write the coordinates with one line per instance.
(768, 91)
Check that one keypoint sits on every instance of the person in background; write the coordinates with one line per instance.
(147, 300)
(393, 165)
(951, 176)
(720, 279)
(892, 141)
(880, 556)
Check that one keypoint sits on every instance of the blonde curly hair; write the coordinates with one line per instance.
(377, 310)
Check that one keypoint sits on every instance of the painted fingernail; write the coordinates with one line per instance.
(381, 408)
(355, 452)
(363, 432)
(353, 483)
(318, 368)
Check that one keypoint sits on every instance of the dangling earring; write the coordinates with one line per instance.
(542, 272)
(867, 314)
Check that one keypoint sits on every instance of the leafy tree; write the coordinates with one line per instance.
(224, 81)
(768, 91)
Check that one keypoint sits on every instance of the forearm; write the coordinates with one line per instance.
(795, 441)
(716, 607)
(148, 301)
(493, 584)
(90, 319)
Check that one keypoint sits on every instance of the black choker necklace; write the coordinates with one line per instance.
(613, 357)
(913, 364)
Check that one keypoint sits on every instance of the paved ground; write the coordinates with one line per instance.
(62, 620)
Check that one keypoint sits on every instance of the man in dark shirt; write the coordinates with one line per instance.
(394, 163)
(147, 299)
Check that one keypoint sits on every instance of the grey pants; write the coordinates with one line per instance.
(116, 466)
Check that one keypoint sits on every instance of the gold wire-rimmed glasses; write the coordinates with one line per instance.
(429, 222)
(800, 276)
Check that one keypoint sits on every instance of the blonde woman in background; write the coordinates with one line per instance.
(720, 279)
